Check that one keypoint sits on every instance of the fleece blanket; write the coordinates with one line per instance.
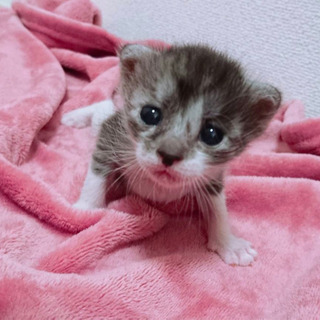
(131, 261)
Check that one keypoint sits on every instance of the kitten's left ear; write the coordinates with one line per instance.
(130, 55)
(266, 102)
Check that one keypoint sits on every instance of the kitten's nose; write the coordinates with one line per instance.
(168, 159)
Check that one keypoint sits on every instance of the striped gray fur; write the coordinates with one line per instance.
(192, 85)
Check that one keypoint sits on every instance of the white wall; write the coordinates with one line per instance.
(278, 40)
(5, 3)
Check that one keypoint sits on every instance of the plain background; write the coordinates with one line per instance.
(278, 41)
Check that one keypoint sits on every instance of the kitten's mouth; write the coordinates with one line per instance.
(165, 175)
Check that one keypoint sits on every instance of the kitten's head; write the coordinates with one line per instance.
(190, 110)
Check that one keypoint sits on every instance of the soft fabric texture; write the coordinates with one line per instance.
(133, 261)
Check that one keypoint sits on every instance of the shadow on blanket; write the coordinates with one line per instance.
(131, 261)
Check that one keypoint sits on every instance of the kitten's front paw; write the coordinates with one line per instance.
(235, 251)
(82, 205)
(75, 119)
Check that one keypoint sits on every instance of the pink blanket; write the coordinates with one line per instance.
(131, 261)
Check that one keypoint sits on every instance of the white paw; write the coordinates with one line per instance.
(82, 205)
(235, 251)
(103, 111)
(76, 119)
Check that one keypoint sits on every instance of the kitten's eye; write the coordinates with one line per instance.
(151, 115)
(211, 135)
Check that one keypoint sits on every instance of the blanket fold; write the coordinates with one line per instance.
(132, 260)
(26, 102)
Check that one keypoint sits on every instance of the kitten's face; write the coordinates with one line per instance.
(190, 110)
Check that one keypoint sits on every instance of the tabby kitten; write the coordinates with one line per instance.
(188, 110)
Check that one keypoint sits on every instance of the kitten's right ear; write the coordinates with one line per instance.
(130, 55)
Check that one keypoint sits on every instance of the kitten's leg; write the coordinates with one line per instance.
(232, 250)
(93, 191)
(78, 118)
(103, 111)
(93, 115)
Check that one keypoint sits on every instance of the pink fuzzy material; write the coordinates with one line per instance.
(131, 261)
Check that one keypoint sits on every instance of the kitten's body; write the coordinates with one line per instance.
(187, 112)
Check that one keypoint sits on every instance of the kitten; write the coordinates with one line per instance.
(188, 110)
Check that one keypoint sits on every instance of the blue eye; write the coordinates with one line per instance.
(151, 115)
(211, 135)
